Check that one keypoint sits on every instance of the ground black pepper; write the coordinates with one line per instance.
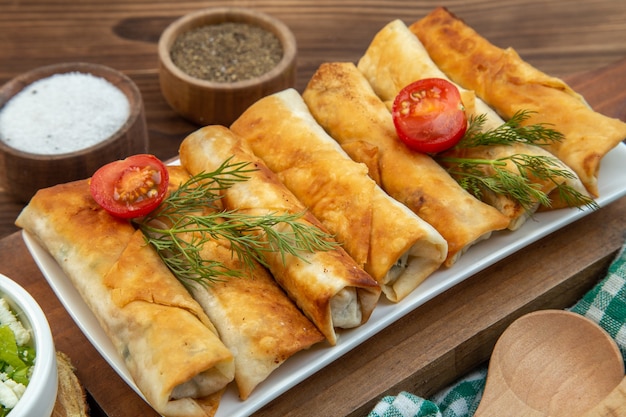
(226, 52)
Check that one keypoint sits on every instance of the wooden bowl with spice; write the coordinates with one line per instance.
(62, 122)
(216, 62)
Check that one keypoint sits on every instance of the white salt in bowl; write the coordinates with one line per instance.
(203, 101)
(40, 394)
(29, 160)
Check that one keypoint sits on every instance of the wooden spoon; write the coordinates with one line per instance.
(550, 363)
(613, 405)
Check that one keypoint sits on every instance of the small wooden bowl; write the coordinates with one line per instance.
(206, 102)
(23, 173)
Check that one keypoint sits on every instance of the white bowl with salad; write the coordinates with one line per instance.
(28, 368)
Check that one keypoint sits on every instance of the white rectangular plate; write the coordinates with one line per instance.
(612, 186)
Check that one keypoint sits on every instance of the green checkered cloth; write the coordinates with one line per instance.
(605, 304)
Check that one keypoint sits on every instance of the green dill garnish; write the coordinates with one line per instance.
(477, 175)
(192, 216)
(510, 132)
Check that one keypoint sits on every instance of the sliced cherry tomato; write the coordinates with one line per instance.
(429, 116)
(131, 187)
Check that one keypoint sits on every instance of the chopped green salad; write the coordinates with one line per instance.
(17, 358)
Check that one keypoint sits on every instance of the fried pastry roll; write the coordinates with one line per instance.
(395, 58)
(328, 286)
(343, 102)
(392, 244)
(169, 345)
(509, 84)
(254, 317)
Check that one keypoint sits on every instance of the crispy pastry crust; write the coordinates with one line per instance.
(140, 305)
(509, 84)
(343, 102)
(396, 57)
(329, 287)
(375, 229)
(254, 317)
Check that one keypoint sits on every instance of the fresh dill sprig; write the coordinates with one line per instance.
(472, 175)
(510, 132)
(478, 175)
(282, 233)
(181, 251)
(203, 189)
(191, 216)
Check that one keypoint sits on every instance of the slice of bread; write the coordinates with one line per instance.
(71, 400)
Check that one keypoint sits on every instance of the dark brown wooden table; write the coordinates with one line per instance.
(581, 41)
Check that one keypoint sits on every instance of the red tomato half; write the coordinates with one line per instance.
(131, 187)
(429, 116)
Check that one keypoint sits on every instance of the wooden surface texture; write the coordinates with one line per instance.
(581, 41)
